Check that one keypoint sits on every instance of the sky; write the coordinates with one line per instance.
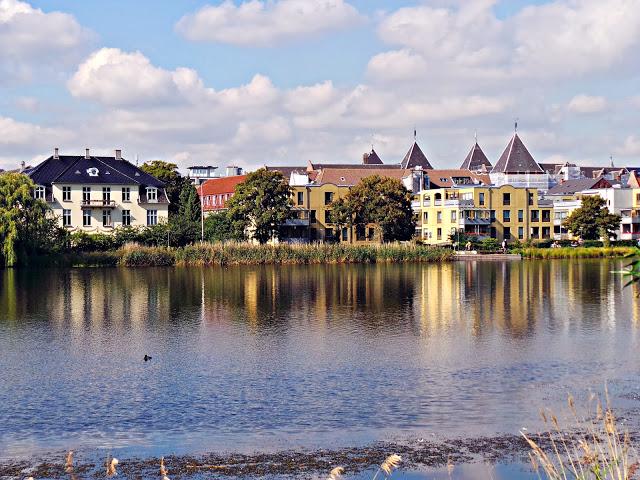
(281, 82)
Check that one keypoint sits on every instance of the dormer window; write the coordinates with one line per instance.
(152, 194)
(39, 192)
(93, 172)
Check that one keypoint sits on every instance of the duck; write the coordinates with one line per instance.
(147, 357)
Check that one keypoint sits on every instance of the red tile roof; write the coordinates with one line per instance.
(351, 176)
(216, 190)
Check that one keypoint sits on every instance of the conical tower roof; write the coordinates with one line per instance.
(371, 158)
(475, 159)
(516, 159)
(415, 158)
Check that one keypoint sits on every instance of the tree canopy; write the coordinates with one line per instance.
(27, 225)
(174, 182)
(381, 201)
(592, 219)
(261, 203)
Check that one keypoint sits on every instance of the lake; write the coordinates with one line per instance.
(268, 358)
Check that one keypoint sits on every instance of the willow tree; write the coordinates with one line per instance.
(25, 223)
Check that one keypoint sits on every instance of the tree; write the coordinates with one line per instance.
(261, 203)
(385, 203)
(342, 216)
(27, 225)
(218, 228)
(174, 182)
(592, 219)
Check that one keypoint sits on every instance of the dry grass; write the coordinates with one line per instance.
(595, 450)
(577, 252)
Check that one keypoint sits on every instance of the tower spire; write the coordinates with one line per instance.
(415, 133)
(515, 127)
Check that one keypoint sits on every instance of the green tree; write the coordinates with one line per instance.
(218, 228)
(27, 225)
(592, 219)
(174, 182)
(189, 204)
(385, 203)
(261, 203)
(342, 216)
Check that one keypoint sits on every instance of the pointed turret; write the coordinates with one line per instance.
(415, 158)
(371, 158)
(476, 160)
(516, 159)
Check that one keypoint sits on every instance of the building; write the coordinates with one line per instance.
(476, 161)
(198, 174)
(483, 211)
(98, 194)
(215, 193)
(517, 167)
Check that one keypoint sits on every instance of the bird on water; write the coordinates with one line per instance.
(146, 357)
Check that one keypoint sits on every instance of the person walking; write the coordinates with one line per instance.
(504, 246)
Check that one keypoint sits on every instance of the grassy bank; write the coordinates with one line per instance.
(577, 252)
(208, 254)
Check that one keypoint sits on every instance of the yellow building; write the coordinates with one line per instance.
(504, 212)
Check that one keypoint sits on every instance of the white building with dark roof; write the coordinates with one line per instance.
(517, 167)
(97, 194)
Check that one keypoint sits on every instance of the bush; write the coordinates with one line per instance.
(489, 245)
(577, 252)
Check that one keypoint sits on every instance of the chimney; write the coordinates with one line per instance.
(365, 157)
(22, 166)
(56, 156)
(118, 154)
(86, 153)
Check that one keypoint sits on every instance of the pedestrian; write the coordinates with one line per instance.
(504, 246)
(468, 245)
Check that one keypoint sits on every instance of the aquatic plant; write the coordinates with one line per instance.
(389, 465)
(68, 462)
(336, 473)
(111, 467)
(595, 449)
(576, 252)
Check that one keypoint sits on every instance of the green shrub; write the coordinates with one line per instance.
(577, 252)
(489, 245)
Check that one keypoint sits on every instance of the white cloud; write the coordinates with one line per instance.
(630, 147)
(261, 23)
(31, 39)
(397, 65)
(585, 104)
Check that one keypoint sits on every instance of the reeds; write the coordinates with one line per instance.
(576, 252)
(595, 450)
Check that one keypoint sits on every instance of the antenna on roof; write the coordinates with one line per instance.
(415, 133)
(137, 159)
(475, 135)
(611, 160)
(515, 127)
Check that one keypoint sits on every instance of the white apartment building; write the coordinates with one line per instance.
(98, 194)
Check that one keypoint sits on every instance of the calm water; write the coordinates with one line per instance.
(284, 357)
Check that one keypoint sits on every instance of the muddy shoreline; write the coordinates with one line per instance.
(416, 454)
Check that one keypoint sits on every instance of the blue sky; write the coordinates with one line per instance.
(286, 81)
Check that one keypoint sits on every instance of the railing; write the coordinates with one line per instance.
(99, 203)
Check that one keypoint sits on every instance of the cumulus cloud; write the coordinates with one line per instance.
(261, 23)
(630, 147)
(31, 39)
(585, 104)
(397, 65)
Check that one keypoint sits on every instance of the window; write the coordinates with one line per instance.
(506, 215)
(328, 233)
(467, 196)
(506, 199)
(507, 233)
(439, 234)
(453, 216)
(106, 195)
(481, 199)
(520, 233)
(86, 194)
(531, 199)
(66, 194)
(535, 232)
(425, 217)
(327, 216)
(66, 218)
(126, 217)
(561, 215)
(312, 216)
(345, 234)
(300, 198)
(126, 194)
(638, 197)
(106, 218)
(520, 215)
(546, 215)
(86, 218)
(152, 195)
(546, 232)
(492, 215)
(38, 193)
(328, 198)
(152, 217)
(439, 216)
(535, 215)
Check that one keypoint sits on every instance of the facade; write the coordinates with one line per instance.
(198, 174)
(215, 193)
(97, 194)
(504, 212)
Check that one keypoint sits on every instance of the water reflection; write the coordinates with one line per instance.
(281, 351)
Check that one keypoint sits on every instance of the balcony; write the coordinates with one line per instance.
(473, 221)
(98, 204)
(296, 222)
(415, 204)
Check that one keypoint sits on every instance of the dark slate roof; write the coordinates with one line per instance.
(73, 169)
(415, 158)
(475, 159)
(371, 158)
(319, 166)
(516, 159)
(572, 186)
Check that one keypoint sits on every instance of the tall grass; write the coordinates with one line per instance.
(577, 252)
(594, 449)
